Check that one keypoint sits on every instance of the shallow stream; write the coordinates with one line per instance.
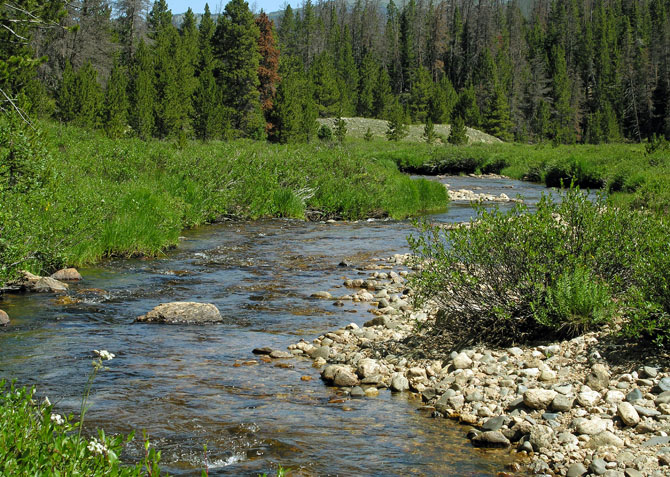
(195, 385)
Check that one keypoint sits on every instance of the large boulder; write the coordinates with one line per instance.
(34, 283)
(67, 274)
(4, 318)
(182, 312)
(538, 398)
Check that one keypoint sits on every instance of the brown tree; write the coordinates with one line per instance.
(268, 68)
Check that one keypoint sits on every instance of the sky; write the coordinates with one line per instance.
(198, 6)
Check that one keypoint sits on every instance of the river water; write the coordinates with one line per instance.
(194, 385)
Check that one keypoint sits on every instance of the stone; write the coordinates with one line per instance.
(576, 470)
(547, 375)
(663, 398)
(541, 437)
(649, 372)
(4, 318)
(656, 440)
(634, 395)
(457, 401)
(494, 424)
(564, 389)
(48, 285)
(588, 398)
(628, 414)
(664, 384)
(630, 472)
(368, 367)
(462, 361)
(605, 438)
(515, 351)
(357, 392)
(598, 378)
(345, 377)
(399, 383)
(591, 426)
(182, 312)
(598, 466)
(377, 321)
(371, 391)
(277, 354)
(646, 411)
(562, 403)
(67, 274)
(264, 350)
(321, 294)
(612, 396)
(320, 352)
(490, 439)
(538, 398)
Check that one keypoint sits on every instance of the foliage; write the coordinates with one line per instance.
(325, 133)
(516, 276)
(397, 124)
(88, 196)
(458, 135)
(429, 132)
(340, 129)
(368, 135)
(36, 441)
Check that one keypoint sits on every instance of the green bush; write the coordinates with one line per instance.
(325, 133)
(515, 276)
(36, 441)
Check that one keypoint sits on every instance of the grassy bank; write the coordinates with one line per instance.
(633, 174)
(71, 196)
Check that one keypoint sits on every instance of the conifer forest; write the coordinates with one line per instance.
(568, 71)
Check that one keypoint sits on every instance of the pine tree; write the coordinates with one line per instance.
(142, 92)
(326, 88)
(89, 97)
(268, 69)
(467, 109)
(67, 95)
(429, 132)
(340, 129)
(563, 115)
(383, 95)
(497, 121)
(367, 86)
(287, 33)
(442, 101)
(207, 111)
(397, 123)
(236, 49)
(458, 134)
(420, 95)
(348, 73)
(294, 114)
(116, 101)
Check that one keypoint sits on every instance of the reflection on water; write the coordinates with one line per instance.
(192, 385)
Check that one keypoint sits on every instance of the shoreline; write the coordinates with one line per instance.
(572, 407)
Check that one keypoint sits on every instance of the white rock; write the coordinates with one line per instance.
(628, 414)
(461, 361)
(591, 426)
(538, 398)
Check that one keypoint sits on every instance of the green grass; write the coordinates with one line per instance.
(82, 196)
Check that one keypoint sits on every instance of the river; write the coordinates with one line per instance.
(195, 385)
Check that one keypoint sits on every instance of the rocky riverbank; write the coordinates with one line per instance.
(576, 407)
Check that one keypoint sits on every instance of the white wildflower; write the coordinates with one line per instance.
(57, 419)
(96, 447)
(104, 354)
(46, 401)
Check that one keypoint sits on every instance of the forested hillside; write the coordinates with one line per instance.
(563, 70)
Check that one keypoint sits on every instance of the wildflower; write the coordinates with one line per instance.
(104, 354)
(96, 447)
(57, 419)
(46, 401)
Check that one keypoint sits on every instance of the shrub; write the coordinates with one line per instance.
(325, 133)
(515, 276)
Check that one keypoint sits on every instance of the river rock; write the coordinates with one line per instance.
(598, 466)
(182, 312)
(538, 398)
(67, 274)
(541, 437)
(4, 318)
(322, 294)
(494, 424)
(399, 383)
(591, 426)
(587, 397)
(663, 398)
(598, 378)
(49, 285)
(490, 439)
(634, 395)
(646, 411)
(264, 350)
(345, 377)
(368, 367)
(664, 384)
(357, 392)
(605, 438)
(462, 361)
(278, 354)
(576, 470)
(628, 414)
(562, 403)
(320, 352)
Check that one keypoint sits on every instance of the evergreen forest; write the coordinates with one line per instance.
(566, 71)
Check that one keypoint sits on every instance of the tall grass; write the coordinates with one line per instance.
(90, 196)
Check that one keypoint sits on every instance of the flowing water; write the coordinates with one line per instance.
(195, 385)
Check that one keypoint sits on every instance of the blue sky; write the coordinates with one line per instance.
(198, 6)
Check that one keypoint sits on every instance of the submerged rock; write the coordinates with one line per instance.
(4, 318)
(182, 312)
(36, 284)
